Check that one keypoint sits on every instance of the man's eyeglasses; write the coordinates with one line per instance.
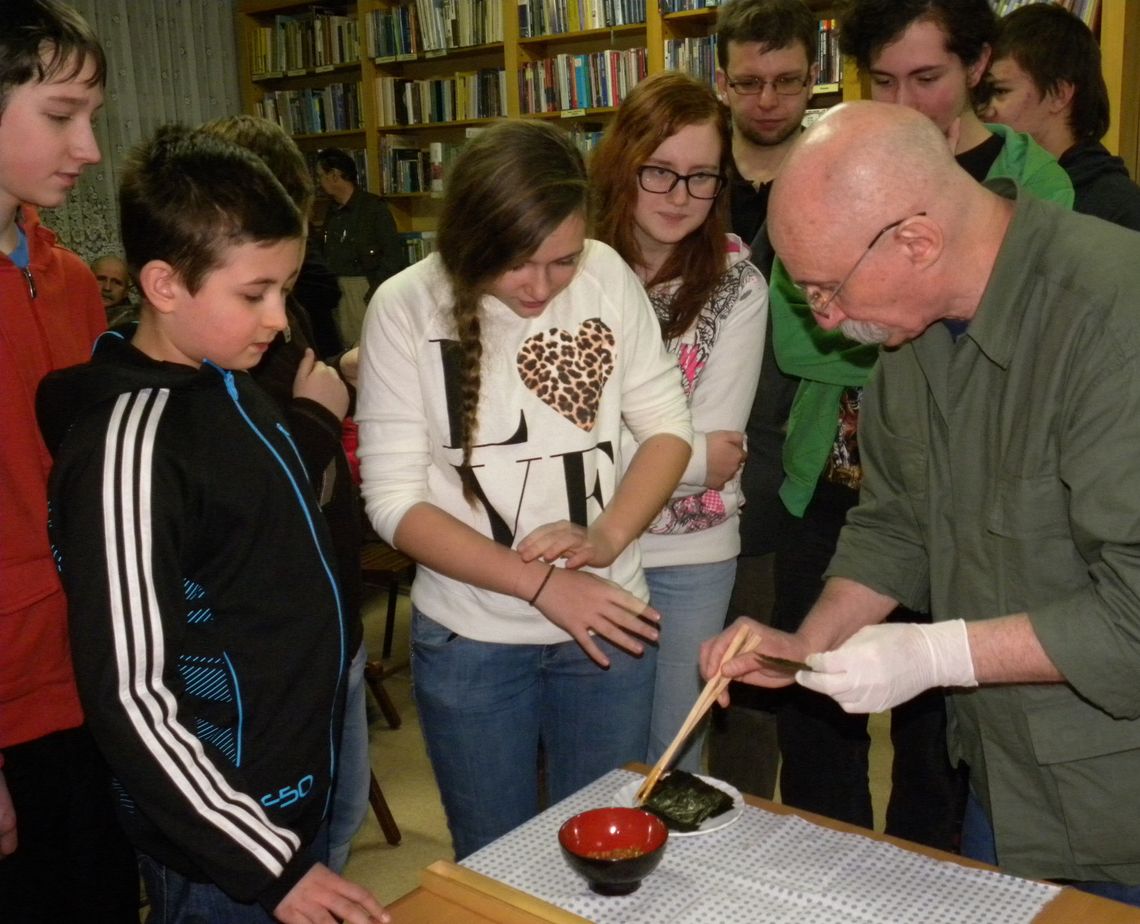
(662, 180)
(819, 300)
(787, 85)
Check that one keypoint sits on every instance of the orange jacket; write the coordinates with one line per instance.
(49, 318)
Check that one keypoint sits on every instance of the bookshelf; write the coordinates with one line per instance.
(405, 82)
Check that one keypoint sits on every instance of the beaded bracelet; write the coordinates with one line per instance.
(541, 586)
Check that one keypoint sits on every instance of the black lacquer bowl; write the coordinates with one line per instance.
(613, 848)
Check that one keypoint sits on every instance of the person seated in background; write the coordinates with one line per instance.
(1046, 81)
(115, 289)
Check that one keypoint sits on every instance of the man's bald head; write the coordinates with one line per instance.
(884, 174)
(862, 162)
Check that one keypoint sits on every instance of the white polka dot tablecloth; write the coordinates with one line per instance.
(763, 869)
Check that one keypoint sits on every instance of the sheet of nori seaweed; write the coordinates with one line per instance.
(683, 801)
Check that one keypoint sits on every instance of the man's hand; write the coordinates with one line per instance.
(323, 897)
(321, 383)
(883, 665)
(747, 667)
(7, 820)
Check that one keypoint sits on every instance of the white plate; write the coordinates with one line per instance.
(627, 796)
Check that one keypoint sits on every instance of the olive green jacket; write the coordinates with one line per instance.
(1001, 474)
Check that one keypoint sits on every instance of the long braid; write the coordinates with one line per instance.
(468, 329)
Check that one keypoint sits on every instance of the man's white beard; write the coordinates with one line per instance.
(865, 332)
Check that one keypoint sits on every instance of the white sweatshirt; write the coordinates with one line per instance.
(555, 390)
(719, 358)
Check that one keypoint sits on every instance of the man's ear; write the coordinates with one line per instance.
(922, 239)
(1060, 97)
(976, 71)
(722, 86)
(161, 285)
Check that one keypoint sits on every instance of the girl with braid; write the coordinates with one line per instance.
(495, 377)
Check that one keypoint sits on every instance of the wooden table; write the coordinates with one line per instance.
(450, 894)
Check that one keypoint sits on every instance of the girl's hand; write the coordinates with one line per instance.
(586, 606)
(725, 453)
(563, 539)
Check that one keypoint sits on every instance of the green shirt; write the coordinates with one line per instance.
(827, 362)
(1001, 474)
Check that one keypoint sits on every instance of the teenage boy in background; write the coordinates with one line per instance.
(208, 631)
(766, 53)
(1046, 81)
(62, 854)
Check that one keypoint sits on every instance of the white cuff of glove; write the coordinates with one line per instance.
(883, 665)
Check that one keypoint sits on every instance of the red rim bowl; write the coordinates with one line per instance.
(613, 848)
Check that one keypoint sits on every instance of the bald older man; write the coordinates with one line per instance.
(1001, 448)
(114, 288)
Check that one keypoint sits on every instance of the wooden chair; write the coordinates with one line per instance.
(381, 565)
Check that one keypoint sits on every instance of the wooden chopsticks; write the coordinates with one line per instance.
(744, 641)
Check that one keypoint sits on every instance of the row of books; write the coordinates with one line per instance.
(556, 17)
(478, 94)
(685, 6)
(409, 166)
(447, 24)
(828, 58)
(1086, 9)
(334, 108)
(582, 81)
(303, 41)
(694, 55)
(393, 33)
(417, 245)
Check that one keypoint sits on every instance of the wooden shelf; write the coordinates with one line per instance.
(1119, 30)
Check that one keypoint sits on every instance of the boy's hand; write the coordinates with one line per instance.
(7, 821)
(320, 382)
(323, 897)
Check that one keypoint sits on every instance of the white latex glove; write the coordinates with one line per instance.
(883, 665)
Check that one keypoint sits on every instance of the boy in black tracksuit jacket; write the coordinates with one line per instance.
(209, 637)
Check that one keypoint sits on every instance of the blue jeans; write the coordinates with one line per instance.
(485, 707)
(353, 777)
(174, 899)
(978, 844)
(692, 601)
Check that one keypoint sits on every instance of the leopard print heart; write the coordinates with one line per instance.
(568, 371)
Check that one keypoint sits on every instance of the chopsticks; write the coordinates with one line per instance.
(744, 641)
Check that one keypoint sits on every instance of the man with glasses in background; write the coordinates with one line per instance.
(927, 55)
(766, 53)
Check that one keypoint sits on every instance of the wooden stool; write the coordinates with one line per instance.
(381, 565)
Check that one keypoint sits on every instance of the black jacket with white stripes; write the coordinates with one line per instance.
(206, 626)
